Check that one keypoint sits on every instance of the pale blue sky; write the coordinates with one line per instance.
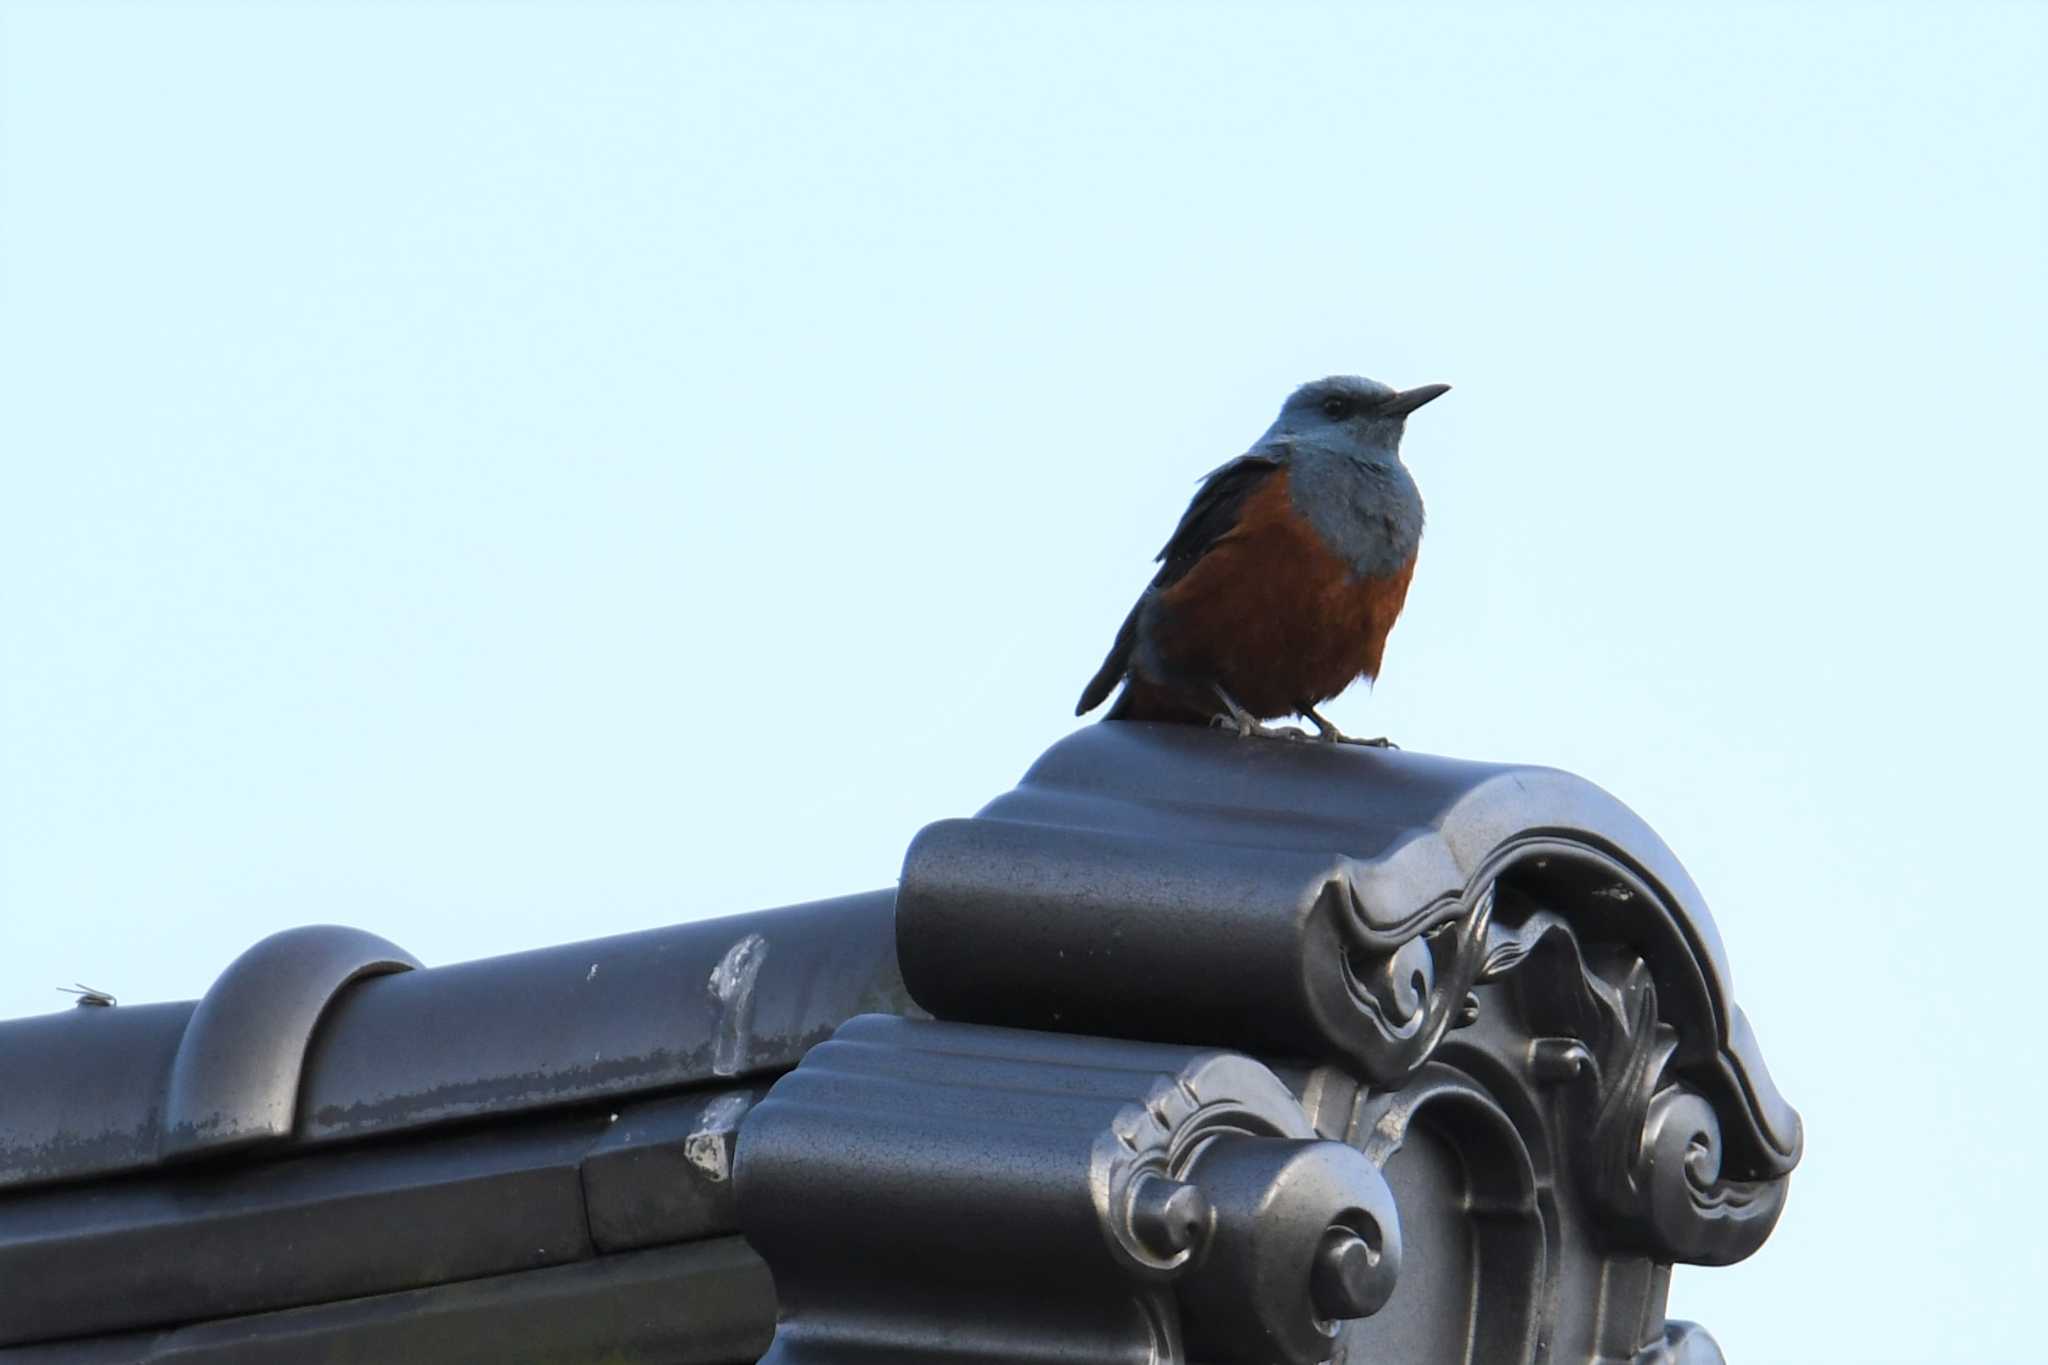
(499, 475)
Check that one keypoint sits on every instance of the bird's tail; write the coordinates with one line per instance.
(1114, 665)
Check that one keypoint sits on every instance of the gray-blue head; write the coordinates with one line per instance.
(1349, 413)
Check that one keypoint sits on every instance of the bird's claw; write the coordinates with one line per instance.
(1330, 734)
(1248, 728)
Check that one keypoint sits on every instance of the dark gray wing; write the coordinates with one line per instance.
(1213, 513)
(1208, 519)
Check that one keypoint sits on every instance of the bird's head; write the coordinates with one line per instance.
(1348, 413)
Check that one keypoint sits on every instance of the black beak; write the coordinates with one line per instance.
(1408, 400)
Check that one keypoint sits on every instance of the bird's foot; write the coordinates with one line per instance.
(1330, 734)
(1235, 717)
(1247, 727)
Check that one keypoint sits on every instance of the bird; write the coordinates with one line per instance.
(1278, 586)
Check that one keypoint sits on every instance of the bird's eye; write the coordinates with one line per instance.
(1336, 407)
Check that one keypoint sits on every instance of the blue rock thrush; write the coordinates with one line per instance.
(1285, 574)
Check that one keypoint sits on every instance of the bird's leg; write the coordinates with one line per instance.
(1244, 722)
(1330, 734)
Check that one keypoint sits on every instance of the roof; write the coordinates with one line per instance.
(1168, 882)
(1448, 966)
(324, 1034)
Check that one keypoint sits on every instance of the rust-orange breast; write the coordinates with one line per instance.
(1276, 616)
